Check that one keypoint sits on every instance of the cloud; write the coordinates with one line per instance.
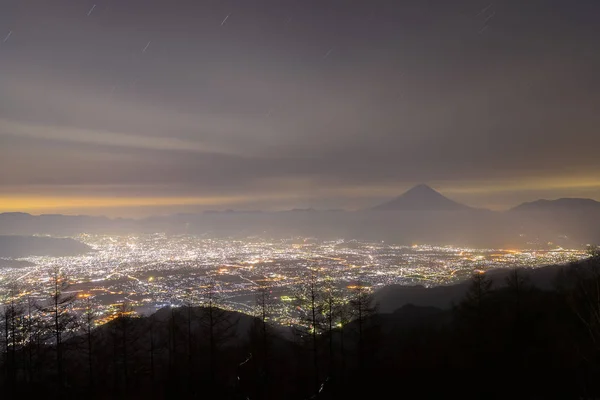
(411, 95)
(102, 138)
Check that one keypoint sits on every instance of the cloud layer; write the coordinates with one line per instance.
(318, 103)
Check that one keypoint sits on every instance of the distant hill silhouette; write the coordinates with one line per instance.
(421, 215)
(421, 198)
(564, 204)
(25, 246)
(393, 297)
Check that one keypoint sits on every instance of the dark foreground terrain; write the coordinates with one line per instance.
(509, 340)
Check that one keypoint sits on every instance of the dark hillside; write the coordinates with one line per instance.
(504, 337)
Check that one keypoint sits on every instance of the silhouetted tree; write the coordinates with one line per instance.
(472, 318)
(125, 339)
(519, 285)
(345, 316)
(34, 333)
(309, 302)
(59, 311)
(152, 349)
(264, 310)
(584, 297)
(260, 337)
(331, 313)
(171, 344)
(6, 364)
(218, 328)
(472, 306)
(12, 317)
(87, 324)
(190, 301)
(594, 251)
(362, 309)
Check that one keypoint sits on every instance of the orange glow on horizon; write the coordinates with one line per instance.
(281, 194)
(24, 204)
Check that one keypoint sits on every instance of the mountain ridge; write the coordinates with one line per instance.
(18, 246)
(421, 198)
(564, 204)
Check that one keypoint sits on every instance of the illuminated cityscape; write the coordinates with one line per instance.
(152, 271)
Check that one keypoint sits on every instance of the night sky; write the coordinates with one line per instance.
(137, 107)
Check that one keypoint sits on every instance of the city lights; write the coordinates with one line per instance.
(150, 271)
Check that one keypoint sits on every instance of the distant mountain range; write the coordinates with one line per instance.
(564, 204)
(418, 198)
(420, 215)
(421, 198)
(424, 198)
(27, 246)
